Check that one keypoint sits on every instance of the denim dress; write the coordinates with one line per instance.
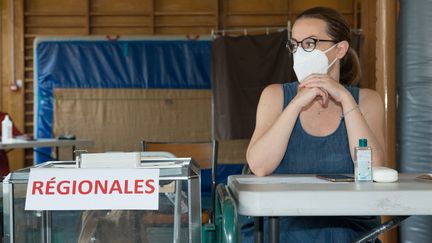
(308, 154)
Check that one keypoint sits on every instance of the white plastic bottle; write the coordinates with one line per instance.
(6, 129)
(363, 162)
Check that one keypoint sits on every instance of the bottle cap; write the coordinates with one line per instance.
(363, 142)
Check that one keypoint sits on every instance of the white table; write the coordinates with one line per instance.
(45, 142)
(306, 195)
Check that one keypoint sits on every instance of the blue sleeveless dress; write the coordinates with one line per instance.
(308, 154)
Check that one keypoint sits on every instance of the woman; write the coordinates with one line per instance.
(313, 125)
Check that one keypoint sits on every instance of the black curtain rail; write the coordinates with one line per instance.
(245, 31)
(268, 30)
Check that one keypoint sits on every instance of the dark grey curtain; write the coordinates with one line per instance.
(242, 67)
(414, 111)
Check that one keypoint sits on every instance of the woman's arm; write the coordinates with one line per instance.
(272, 131)
(366, 121)
(274, 126)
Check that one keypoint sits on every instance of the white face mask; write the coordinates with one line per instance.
(306, 63)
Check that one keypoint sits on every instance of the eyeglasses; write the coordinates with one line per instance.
(308, 44)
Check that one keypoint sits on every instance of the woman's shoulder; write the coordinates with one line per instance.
(273, 87)
(272, 95)
(369, 98)
(369, 95)
(280, 89)
(280, 93)
(272, 90)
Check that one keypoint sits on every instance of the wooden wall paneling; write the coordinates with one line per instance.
(217, 14)
(355, 8)
(189, 19)
(5, 46)
(290, 11)
(88, 17)
(55, 6)
(368, 55)
(12, 69)
(386, 82)
(17, 157)
(40, 21)
(51, 17)
(257, 19)
(55, 31)
(256, 14)
(344, 7)
(28, 94)
(133, 17)
(17, 97)
(119, 6)
(152, 16)
(184, 5)
(277, 13)
(222, 14)
(386, 71)
(184, 17)
(110, 24)
(256, 5)
(6, 52)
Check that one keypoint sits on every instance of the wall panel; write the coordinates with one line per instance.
(241, 21)
(195, 21)
(55, 6)
(341, 6)
(12, 62)
(258, 5)
(120, 6)
(185, 5)
(120, 20)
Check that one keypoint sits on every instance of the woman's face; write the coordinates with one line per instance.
(315, 28)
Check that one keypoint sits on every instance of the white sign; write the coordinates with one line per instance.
(92, 189)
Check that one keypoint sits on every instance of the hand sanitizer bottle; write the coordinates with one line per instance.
(6, 129)
(363, 162)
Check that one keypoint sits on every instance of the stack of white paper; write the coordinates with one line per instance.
(111, 160)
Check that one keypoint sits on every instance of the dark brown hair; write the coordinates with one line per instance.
(338, 28)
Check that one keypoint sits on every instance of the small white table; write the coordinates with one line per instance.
(45, 142)
(306, 195)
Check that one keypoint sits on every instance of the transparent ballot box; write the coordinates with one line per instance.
(177, 220)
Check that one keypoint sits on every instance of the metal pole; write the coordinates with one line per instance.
(259, 229)
(373, 234)
(177, 211)
(273, 229)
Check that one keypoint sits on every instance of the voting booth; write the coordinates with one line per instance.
(56, 210)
